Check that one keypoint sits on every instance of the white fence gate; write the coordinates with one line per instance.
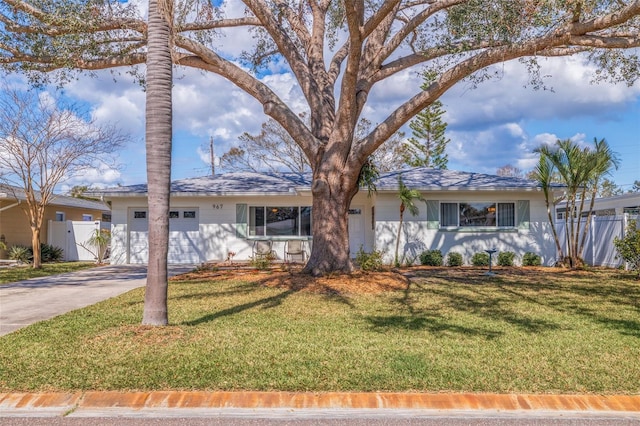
(599, 249)
(70, 234)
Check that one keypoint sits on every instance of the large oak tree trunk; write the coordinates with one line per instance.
(332, 191)
(158, 145)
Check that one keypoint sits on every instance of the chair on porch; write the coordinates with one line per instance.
(294, 248)
(262, 248)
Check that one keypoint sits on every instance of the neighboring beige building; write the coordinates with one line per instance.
(14, 221)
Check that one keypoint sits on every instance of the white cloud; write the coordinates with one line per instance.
(508, 98)
(101, 176)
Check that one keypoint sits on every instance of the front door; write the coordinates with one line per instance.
(356, 229)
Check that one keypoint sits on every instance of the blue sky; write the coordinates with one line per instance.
(500, 122)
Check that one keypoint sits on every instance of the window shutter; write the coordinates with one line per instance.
(523, 214)
(433, 219)
(241, 220)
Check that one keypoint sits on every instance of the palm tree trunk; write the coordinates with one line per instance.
(396, 261)
(556, 238)
(587, 225)
(158, 146)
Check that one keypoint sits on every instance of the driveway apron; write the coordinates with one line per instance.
(25, 302)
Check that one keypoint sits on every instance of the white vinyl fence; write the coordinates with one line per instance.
(599, 249)
(69, 235)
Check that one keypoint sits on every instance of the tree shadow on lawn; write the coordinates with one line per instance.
(265, 303)
(479, 303)
(213, 289)
(572, 292)
(433, 324)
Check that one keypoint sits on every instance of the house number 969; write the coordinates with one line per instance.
(217, 206)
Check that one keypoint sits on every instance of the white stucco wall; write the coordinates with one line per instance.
(217, 226)
(415, 237)
(217, 229)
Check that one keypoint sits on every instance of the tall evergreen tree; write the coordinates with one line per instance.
(427, 146)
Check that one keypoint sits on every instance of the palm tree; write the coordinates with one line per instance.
(601, 160)
(544, 173)
(158, 145)
(568, 159)
(408, 199)
(580, 169)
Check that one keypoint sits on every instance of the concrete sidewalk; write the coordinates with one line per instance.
(198, 404)
(25, 302)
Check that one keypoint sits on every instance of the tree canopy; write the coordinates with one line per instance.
(338, 52)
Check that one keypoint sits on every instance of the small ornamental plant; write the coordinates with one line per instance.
(454, 259)
(480, 259)
(505, 258)
(531, 259)
(369, 262)
(628, 248)
(431, 258)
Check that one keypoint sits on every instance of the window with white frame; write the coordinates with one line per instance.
(87, 217)
(279, 221)
(60, 216)
(478, 214)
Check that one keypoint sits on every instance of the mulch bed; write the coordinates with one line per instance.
(288, 276)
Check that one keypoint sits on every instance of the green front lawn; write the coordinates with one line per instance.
(547, 331)
(24, 272)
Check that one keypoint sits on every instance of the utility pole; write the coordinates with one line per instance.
(213, 157)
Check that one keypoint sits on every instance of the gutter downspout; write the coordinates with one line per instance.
(9, 206)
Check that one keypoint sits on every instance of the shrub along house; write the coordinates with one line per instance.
(213, 216)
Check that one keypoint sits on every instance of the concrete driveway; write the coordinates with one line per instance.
(25, 302)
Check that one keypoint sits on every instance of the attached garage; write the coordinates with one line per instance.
(184, 236)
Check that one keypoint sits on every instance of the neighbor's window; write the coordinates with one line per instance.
(87, 218)
(59, 216)
(279, 221)
(477, 214)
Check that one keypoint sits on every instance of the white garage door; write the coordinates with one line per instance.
(184, 236)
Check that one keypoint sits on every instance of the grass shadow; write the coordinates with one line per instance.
(434, 325)
(266, 303)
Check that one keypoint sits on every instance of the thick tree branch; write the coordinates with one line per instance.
(47, 64)
(394, 43)
(274, 107)
(249, 21)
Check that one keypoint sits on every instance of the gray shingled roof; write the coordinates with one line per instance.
(246, 183)
(241, 183)
(15, 193)
(426, 179)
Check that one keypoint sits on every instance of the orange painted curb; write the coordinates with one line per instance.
(328, 400)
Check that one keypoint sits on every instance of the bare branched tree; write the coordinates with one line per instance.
(43, 144)
(273, 149)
